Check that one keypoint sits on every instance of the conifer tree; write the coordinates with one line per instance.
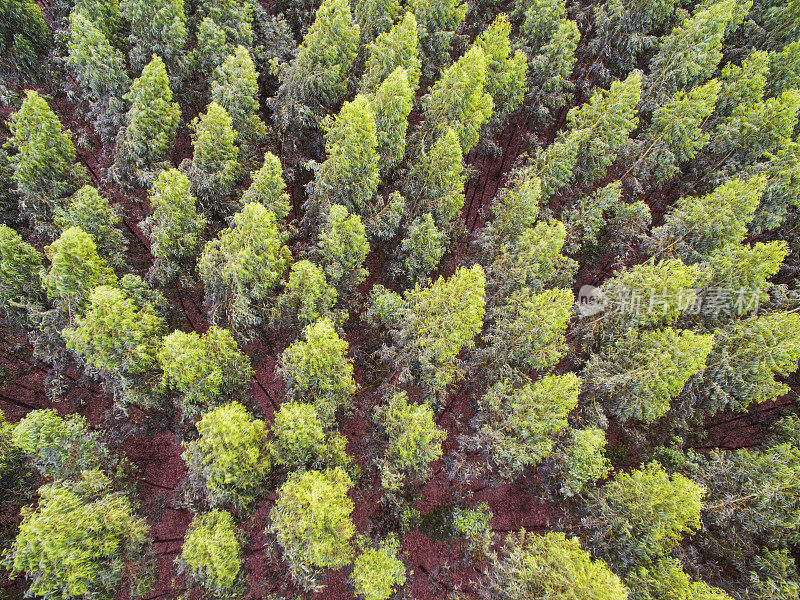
(436, 25)
(92, 213)
(640, 374)
(308, 296)
(235, 88)
(20, 264)
(144, 145)
(413, 441)
(157, 27)
(317, 369)
(423, 248)
(269, 188)
(458, 100)
(211, 555)
(394, 48)
(44, 163)
(343, 248)
(203, 369)
(392, 104)
(349, 176)
(312, 522)
(175, 227)
(61, 560)
(214, 168)
(231, 456)
(242, 268)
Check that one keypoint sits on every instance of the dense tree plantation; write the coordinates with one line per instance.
(400, 299)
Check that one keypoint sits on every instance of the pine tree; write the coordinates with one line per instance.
(413, 441)
(436, 25)
(312, 522)
(100, 70)
(308, 296)
(119, 340)
(235, 17)
(392, 104)
(506, 80)
(92, 213)
(640, 374)
(20, 264)
(211, 555)
(75, 270)
(549, 567)
(44, 163)
(515, 424)
(423, 248)
(235, 88)
(242, 268)
(60, 560)
(378, 571)
(317, 369)
(642, 514)
(203, 369)
(375, 17)
(231, 457)
(458, 100)
(214, 168)
(394, 48)
(269, 188)
(144, 145)
(175, 227)
(349, 176)
(158, 28)
(343, 248)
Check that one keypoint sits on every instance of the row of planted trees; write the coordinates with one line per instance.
(689, 122)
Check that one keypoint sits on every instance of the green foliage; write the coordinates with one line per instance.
(212, 47)
(215, 168)
(743, 85)
(641, 373)
(392, 104)
(784, 69)
(550, 70)
(666, 580)
(24, 36)
(394, 48)
(585, 219)
(423, 248)
(585, 460)
(20, 264)
(75, 270)
(269, 188)
(59, 448)
(92, 213)
(44, 163)
(515, 208)
(349, 176)
(555, 165)
(235, 88)
(375, 17)
(506, 74)
(308, 296)
(144, 145)
(458, 100)
(550, 567)
(413, 441)
(299, 434)
(436, 23)
(235, 17)
(157, 27)
(745, 358)
(343, 248)
(540, 20)
(317, 369)
(311, 520)
(175, 227)
(516, 424)
(377, 571)
(211, 554)
(642, 514)
(83, 540)
(242, 268)
(203, 369)
(230, 457)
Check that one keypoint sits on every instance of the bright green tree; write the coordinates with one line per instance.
(211, 555)
(212, 47)
(83, 540)
(343, 248)
(203, 369)
(175, 227)
(308, 296)
(585, 460)
(317, 369)
(392, 104)
(298, 434)
(375, 17)
(436, 24)
(235, 17)
(20, 264)
(378, 571)
(311, 520)
(158, 28)
(242, 268)
(784, 69)
(231, 456)
(423, 248)
(394, 48)
(665, 579)
(586, 218)
(413, 441)
(539, 21)
(145, 143)
(550, 70)
(267, 187)
(25, 38)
